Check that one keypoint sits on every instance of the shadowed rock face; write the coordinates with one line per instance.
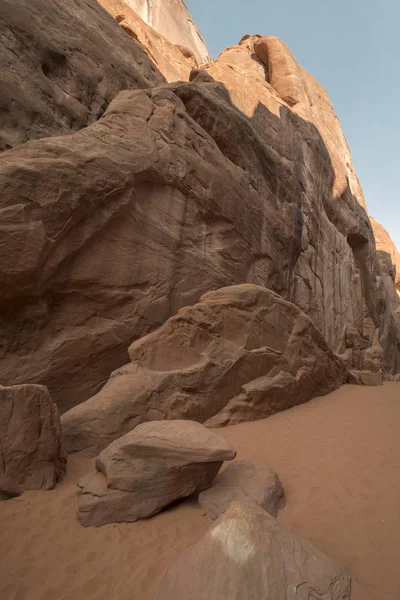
(61, 63)
(247, 554)
(174, 191)
(32, 454)
(242, 353)
(388, 255)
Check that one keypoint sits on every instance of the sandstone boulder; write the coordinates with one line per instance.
(242, 353)
(32, 455)
(244, 482)
(247, 555)
(364, 378)
(61, 64)
(150, 467)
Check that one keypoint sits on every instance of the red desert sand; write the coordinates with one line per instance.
(338, 459)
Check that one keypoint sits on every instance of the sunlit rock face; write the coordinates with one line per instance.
(388, 251)
(171, 18)
(271, 75)
(174, 61)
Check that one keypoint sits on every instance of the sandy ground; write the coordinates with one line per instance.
(338, 458)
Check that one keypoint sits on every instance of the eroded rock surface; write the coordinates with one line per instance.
(242, 353)
(32, 455)
(175, 191)
(173, 61)
(386, 246)
(243, 482)
(148, 468)
(61, 64)
(247, 555)
(171, 18)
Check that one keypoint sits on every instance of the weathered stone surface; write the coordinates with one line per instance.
(242, 353)
(32, 455)
(173, 192)
(386, 246)
(275, 80)
(61, 63)
(171, 18)
(247, 555)
(150, 467)
(173, 61)
(389, 259)
(244, 482)
(365, 377)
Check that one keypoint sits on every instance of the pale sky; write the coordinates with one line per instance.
(353, 48)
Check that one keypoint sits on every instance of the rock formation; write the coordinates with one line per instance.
(385, 244)
(61, 63)
(389, 258)
(173, 61)
(243, 482)
(242, 175)
(246, 554)
(172, 19)
(242, 353)
(32, 455)
(148, 468)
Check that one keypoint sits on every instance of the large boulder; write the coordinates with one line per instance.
(61, 64)
(148, 468)
(242, 353)
(243, 482)
(247, 555)
(32, 455)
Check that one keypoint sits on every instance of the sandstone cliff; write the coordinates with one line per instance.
(242, 175)
(172, 19)
(174, 61)
(387, 250)
(61, 63)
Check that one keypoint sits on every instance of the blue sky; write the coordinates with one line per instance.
(353, 48)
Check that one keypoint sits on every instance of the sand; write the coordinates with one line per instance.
(338, 458)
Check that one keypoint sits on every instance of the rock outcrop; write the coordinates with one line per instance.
(32, 455)
(150, 467)
(246, 554)
(386, 246)
(174, 61)
(242, 353)
(389, 258)
(172, 19)
(61, 63)
(244, 482)
(175, 191)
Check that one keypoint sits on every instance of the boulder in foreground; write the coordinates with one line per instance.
(242, 353)
(150, 467)
(244, 482)
(247, 555)
(32, 455)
